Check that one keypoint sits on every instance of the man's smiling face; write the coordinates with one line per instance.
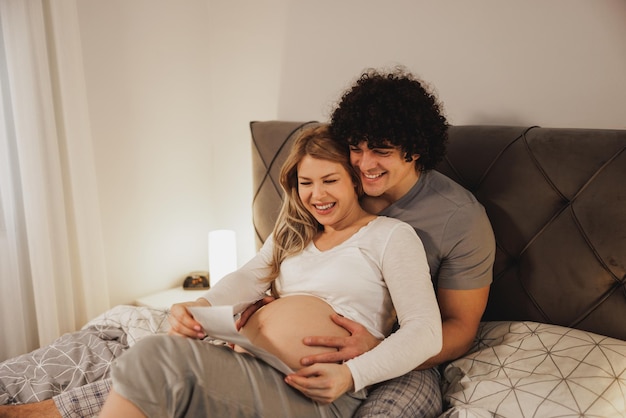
(384, 171)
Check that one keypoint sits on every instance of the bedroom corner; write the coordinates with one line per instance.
(52, 267)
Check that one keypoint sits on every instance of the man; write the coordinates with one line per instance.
(397, 133)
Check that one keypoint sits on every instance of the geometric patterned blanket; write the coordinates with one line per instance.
(77, 358)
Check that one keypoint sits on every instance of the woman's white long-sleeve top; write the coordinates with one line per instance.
(378, 273)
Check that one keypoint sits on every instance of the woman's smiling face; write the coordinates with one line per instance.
(326, 190)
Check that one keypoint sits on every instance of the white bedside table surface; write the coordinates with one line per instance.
(166, 298)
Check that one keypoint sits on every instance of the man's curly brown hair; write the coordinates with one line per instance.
(392, 108)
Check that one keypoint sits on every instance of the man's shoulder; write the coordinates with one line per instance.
(437, 203)
(437, 185)
(434, 195)
(448, 204)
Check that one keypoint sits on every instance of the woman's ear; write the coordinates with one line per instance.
(416, 157)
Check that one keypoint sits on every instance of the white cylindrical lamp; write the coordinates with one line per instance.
(222, 254)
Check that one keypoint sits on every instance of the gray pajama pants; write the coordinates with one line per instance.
(416, 395)
(169, 376)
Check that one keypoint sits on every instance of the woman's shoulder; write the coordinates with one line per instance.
(390, 225)
(387, 221)
(385, 231)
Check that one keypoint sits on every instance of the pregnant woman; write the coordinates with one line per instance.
(326, 256)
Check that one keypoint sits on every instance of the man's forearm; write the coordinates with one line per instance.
(456, 342)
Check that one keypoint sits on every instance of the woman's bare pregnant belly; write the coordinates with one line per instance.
(280, 326)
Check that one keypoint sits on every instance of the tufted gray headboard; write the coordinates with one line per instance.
(556, 199)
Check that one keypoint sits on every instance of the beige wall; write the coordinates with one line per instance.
(172, 86)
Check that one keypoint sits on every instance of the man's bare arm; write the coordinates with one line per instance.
(461, 312)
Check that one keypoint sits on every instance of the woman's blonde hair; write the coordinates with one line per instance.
(296, 227)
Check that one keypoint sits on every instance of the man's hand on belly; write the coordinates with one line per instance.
(359, 342)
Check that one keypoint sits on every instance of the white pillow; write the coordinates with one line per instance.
(528, 369)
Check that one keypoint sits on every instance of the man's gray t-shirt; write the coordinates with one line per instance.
(454, 228)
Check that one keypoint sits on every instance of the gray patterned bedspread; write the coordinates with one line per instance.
(77, 358)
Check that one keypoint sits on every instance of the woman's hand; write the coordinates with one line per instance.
(182, 323)
(250, 310)
(359, 342)
(323, 383)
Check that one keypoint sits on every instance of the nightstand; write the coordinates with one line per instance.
(166, 298)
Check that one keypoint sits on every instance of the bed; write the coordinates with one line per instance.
(553, 338)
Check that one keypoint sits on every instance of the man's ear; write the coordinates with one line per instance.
(412, 158)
